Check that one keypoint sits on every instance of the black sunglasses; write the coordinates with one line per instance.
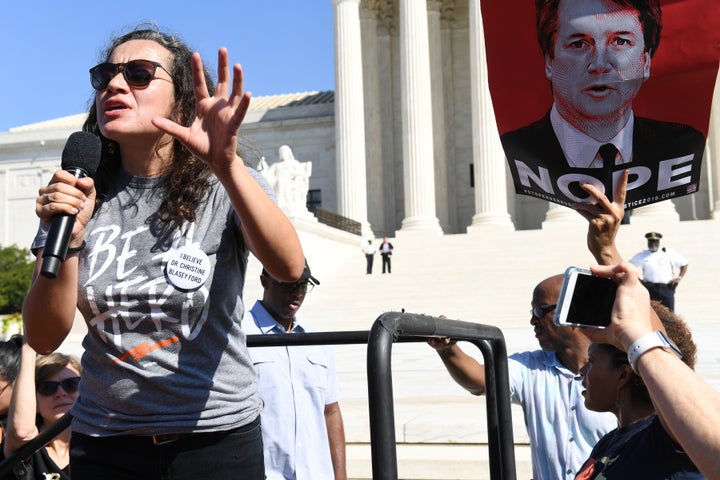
(138, 73)
(540, 311)
(302, 286)
(48, 388)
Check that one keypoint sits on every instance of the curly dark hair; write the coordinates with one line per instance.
(10, 358)
(187, 181)
(677, 331)
(649, 15)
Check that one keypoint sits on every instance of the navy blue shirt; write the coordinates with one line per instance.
(641, 450)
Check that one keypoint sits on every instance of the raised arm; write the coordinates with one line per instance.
(336, 436)
(687, 405)
(604, 219)
(213, 137)
(21, 426)
(464, 369)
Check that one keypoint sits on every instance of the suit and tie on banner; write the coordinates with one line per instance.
(585, 89)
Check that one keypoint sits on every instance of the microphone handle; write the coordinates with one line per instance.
(61, 227)
(54, 253)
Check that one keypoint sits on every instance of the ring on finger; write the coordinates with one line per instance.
(47, 198)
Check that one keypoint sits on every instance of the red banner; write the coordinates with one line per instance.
(603, 78)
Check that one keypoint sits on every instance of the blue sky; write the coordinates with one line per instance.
(285, 46)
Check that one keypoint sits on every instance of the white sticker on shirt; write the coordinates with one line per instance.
(187, 268)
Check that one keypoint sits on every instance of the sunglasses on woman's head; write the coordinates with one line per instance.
(137, 73)
(48, 388)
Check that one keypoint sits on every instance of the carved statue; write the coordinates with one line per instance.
(290, 179)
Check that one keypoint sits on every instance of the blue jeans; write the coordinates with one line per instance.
(234, 454)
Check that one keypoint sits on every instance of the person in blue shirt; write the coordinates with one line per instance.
(302, 426)
(546, 384)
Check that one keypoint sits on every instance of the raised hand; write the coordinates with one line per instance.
(214, 133)
(440, 343)
(67, 194)
(604, 219)
(632, 316)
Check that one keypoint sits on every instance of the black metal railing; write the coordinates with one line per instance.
(395, 326)
(334, 220)
(389, 328)
(27, 450)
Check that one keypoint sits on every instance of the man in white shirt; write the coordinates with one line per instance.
(661, 270)
(369, 251)
(302, 426)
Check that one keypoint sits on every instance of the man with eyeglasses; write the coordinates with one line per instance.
(302, 426)
(547, 384)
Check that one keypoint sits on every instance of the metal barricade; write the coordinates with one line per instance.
(398, 326)
(390, 327)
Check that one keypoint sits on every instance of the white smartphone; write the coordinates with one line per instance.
(586, 300)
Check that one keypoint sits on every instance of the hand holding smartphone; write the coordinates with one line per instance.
(585, 300)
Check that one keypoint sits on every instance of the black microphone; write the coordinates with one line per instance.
(81, 157)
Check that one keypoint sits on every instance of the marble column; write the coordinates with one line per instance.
(560, 215)
(664, 211)
(438, 110)
(349, 115)
(712, 153)
(488, 155)
(374, 120)
(417, 130)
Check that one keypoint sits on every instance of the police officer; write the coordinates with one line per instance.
(661, 270)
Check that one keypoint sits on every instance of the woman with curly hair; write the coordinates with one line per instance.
(642, 446)
(157, 265)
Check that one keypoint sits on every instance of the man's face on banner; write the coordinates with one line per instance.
(599, 61)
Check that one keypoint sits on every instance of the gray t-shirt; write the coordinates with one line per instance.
(162, 356)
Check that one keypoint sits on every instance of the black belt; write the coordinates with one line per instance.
(169, 438)
(651, 284)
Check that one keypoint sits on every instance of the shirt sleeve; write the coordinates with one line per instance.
(677, 260)
(40, 238)
(333, 390)
(516, 369)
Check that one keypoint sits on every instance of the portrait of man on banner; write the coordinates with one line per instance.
(597, 56)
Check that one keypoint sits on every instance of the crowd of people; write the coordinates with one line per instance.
(169, 388)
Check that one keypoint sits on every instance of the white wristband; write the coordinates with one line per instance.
(646, 343)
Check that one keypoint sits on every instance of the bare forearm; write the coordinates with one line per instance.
(21, 414)
(607, 255)
(464, 369)
(689, 406)
(336, 437)
(49, 307)
(269, 234)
